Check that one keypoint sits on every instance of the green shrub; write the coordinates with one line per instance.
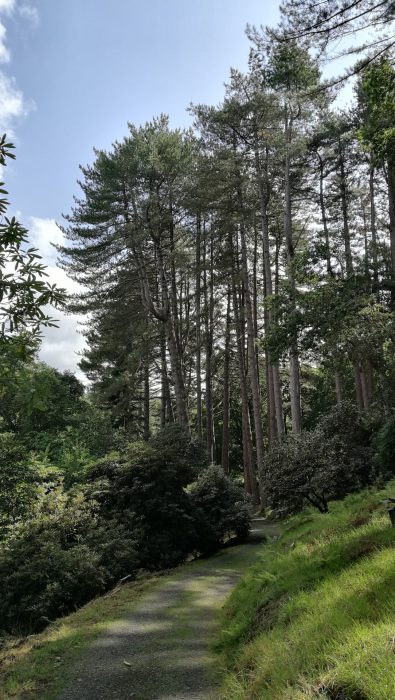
(18, 480)
(144, 490)
(221, 509)
(134, 511)
(58, 560)
(319, 465)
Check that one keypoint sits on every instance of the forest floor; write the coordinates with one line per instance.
(151, 640)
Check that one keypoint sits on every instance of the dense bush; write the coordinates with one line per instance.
(18, 480)
(328, 462)
(220, 509)
(148, 507)
(58, 560)
(144, 490)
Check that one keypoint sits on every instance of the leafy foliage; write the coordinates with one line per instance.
(59, 559)
(317, 466)
(221, 509)
(134, 512)
(23, 292)
(18, 480)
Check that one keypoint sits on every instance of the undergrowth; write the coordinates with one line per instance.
(315, 617)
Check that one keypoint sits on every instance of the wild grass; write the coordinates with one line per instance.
(315, 617)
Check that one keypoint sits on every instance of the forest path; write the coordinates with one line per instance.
(160, 650)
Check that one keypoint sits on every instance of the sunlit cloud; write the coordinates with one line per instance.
(13, 104)
(61, 346)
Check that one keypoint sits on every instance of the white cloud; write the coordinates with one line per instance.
(60, 346)
(4, 52)
(7, 6)
(43, 233)
(12, 102)
(29, 13)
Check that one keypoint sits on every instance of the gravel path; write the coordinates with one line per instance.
(160, 650)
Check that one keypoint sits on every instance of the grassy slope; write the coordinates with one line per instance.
(315, 618)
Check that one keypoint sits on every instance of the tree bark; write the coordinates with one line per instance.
(275, 409)
(346, 228)
(391, 207)
(252, 364)
(146, 430)
(208, 322)
(324, 218)
(294, 366)
(225, 401)
(373, 225)
(250, 482)
(198, 333)
(338, 388)
(358, 388)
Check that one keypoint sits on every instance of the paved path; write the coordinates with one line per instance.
(160, 650)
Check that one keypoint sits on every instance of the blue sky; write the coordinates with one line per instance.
(74, 72)
(89, 66)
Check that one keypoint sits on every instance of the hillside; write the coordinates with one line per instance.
(315, 617)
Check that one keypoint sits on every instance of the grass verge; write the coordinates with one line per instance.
(36, 668)
(315, 617)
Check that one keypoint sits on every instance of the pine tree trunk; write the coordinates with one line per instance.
(174, 352)
(278, 401)
(358, 388)
(173, 292)
(252, 364)
(346, 228)
(275, 409)
(373, 225)
(324, 218)
(391, 202)
(225, 401)
(178, 378)
(208, 323)
(250, 482)
(198, 333)
(294, 366)
(146, 430)
(338, 388)
(255, 296)
(271, 407)
(164, 380)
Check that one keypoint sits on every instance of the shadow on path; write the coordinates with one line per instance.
(160, 650)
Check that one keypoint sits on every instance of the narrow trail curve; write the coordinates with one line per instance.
(160, 650)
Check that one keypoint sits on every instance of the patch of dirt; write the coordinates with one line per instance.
(265, 617)
(364, 515)
(362, 548)
(337, 692)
